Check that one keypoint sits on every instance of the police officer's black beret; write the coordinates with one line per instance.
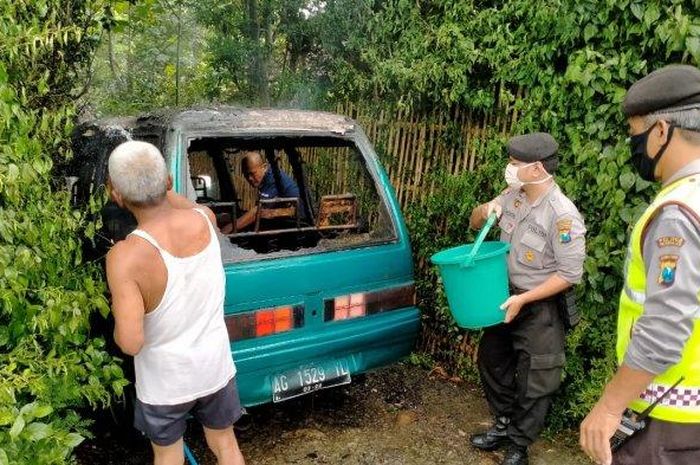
(670, 87)
(532, 147)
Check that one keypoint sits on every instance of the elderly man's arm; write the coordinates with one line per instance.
(127, 302)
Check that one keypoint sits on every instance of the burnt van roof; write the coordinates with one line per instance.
(223, 118)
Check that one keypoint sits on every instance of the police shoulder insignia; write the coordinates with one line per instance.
(670, 241)
(564, 228)
(668, 265)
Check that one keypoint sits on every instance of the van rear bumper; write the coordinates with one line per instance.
(364, 343)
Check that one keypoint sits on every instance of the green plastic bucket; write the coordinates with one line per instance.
(475, 287)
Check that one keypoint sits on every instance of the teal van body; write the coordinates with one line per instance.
(318, 353)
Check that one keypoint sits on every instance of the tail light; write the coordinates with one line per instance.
(264, 322)
(369, 303)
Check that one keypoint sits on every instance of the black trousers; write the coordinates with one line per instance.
(520, 364)
(662, 443)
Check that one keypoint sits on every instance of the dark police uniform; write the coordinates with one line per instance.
(521, 362)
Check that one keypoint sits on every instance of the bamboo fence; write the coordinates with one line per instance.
(414, 148)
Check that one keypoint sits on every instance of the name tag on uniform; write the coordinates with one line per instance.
(508, 226)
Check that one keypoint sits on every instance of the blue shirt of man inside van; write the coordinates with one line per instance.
(268, 186)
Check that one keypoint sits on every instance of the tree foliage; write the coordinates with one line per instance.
(283, 52)
(250, 52)
(573, 60)
(49, 363)
(151, 56)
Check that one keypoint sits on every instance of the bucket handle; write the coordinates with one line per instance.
(469, 261)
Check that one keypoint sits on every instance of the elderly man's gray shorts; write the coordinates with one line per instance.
(164, 425)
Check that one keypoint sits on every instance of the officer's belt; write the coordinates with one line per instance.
(516, 291)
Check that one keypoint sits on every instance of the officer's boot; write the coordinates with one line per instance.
(494, 437)
(515, 455)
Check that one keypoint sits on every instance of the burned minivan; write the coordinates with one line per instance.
(318, 262)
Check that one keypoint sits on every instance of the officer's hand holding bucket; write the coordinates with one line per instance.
(512, 307)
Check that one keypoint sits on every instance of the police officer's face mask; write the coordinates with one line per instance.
(513, 180)
(644, 165)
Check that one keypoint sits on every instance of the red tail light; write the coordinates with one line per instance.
(349, 306)
(369, 303)
(264, 322)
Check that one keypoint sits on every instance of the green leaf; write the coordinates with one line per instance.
(6, 417)
(638, 11)
(27, 410)
(42, 410)
(627, 180)
(37, 431)
(12, 172)
(693, 46)
(3, 457)
(74, 440)
(589, 31)
(651, 15)
(17, 427)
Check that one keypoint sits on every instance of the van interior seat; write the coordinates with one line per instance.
(337, 211)
(285, 209)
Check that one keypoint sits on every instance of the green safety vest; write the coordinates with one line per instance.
(682, 405)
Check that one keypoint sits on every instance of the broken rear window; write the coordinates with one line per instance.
(287, 195)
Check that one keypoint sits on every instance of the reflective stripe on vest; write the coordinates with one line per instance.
(682, 405)
(635, 296)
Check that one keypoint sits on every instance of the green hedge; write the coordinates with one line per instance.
(574, 59)
(50, 364)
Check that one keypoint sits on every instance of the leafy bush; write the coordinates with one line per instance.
(49, 363)
(574, 59)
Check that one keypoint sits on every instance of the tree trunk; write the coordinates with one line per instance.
(254, 36)
(267, 55)
(259, 68)
(110, 45)
(130, 52)
(177, 61)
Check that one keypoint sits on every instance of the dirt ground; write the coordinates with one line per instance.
(400, 415)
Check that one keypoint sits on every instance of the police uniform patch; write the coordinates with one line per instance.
(564, 228)
(529, 255)
(668, 265)
(517, 203)
(670, 241)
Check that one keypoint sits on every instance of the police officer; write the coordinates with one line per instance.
(658, 335)
(520, 361)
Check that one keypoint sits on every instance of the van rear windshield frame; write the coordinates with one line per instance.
(278, 140)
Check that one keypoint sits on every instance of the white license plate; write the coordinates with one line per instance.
(309, 378)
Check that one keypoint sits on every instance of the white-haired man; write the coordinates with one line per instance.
(167, 283)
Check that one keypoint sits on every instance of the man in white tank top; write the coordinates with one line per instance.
(168, 284)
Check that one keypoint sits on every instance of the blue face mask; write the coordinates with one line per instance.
(644, 165)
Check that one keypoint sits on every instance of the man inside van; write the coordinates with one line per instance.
(260, 175)
(167, 283)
